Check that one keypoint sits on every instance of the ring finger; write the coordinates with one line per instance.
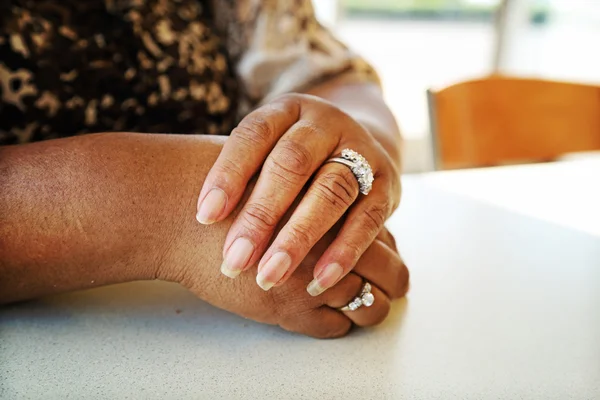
(363, 316)
(362, 225)
(330, 195)
(383, 267)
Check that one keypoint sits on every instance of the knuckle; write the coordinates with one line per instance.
(259, 217)
(301, 99)
(353, 249)
(302, 235)
(292, 158)
(286, 106)
(291, 100)
(282, 180)
(255, 130)
(376, 214)
(229, 168)
(308, 128)
(289, 97)
(338, 187)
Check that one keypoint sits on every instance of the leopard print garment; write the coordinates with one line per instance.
(70, 67)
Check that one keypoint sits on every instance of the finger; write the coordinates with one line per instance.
(322, 323)
(331, 193)
(364, 222)
(299, 153)
(386, 237)
(242, 156)
(343, 292)
(384, 268)
(347, 290)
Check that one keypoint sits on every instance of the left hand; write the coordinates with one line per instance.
(291, 138)
(289, 306)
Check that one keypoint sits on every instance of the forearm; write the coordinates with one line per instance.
(100, 209)
(364, 102)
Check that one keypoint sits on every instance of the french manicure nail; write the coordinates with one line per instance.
(211, 207)
(326, 279)
(273, 270)
(237, 257)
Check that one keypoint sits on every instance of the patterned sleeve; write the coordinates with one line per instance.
(278, 46)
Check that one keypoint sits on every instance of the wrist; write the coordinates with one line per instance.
(365, 104)
(96, 210)
(157, 215)
(390, 141)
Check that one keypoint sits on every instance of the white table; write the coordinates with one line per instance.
(505, 304)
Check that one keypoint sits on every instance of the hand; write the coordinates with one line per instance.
(290, 139)
(289, 306)
(293, 309)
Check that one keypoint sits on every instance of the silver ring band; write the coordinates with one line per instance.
(366, 298)
(360, 168)
(341, 160)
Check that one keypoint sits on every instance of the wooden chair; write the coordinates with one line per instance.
(501, 120)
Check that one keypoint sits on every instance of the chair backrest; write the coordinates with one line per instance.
(501, 120)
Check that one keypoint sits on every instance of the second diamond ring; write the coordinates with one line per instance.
(365, 298)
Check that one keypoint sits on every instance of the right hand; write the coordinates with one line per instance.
(292, 308)
(289, 141)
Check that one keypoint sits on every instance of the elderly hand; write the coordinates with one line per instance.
(292, 308)
(289, 140)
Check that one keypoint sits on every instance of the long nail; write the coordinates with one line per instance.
(326, 279)
(273, 270)
(237, 257)
(212, 206)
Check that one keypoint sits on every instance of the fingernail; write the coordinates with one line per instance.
(326, 279)
(237, 257)
(211, 207)
(273, 270)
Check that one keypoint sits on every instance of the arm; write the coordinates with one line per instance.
(109, 208)
(88, 211)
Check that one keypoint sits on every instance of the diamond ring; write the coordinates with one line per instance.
(359, 167)
(365, 298)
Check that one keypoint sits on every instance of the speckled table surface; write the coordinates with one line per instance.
(503, 305)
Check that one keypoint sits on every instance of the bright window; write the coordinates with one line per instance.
(418, 44)
(563, 45)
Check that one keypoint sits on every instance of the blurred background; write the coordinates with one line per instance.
(421, 44)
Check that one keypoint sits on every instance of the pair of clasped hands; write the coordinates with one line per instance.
(314, 238)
